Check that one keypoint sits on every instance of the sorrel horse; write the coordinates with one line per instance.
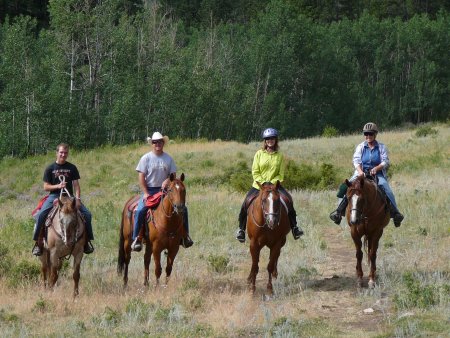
(165, 230)
(367, 215)
(268, 225)
(66, 237)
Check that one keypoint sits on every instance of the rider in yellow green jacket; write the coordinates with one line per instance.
(268, 166)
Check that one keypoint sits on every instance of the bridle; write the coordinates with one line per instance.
(267, 214)
(176, 209)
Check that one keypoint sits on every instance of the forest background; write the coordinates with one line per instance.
(92, 72)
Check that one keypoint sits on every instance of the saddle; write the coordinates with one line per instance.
(152, 203)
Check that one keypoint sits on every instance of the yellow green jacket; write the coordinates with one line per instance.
(267, 167)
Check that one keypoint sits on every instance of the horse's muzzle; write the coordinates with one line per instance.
(179, 208)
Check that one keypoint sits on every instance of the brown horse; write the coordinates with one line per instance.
(367, 215)
(165, 231)
(268, 225)
(66, 237)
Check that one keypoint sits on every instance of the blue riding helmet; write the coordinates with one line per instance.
(269, 132)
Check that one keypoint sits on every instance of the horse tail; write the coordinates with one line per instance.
(121, 256)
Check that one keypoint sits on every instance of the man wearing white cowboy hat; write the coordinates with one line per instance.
(153, 169)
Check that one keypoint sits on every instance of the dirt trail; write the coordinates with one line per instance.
(337, 291)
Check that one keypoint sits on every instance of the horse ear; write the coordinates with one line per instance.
(259, 185)
(182, 177)
(277, 185)
(172, 176)
(348, 183)
(60, 202)
(74, 202)
(362, 181)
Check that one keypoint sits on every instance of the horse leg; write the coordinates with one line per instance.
(173, 250)
(147, 258)
(158, 268)
(373, 247)
(359, 256)
(271, 267)
(44, 268)
(76, 273)
(255, 251)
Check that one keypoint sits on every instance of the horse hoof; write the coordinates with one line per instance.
(371, 284)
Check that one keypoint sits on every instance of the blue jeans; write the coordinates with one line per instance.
(141, 212)
(45, 210)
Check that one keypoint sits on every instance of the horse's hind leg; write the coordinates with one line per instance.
(147, 259)
(255, 251)
(158, 268)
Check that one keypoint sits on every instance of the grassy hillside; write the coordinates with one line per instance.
(315, 294)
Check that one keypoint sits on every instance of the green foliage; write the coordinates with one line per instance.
(42, 305)
(239, 177)
(6, 261)
(7, 317)
(306, 176)
(330, 131)
(417, 293)
(218, 263)
(23, 272)
(425, 131)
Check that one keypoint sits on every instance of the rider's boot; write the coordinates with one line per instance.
(39, 244)
(187, 242)
(240, 233)
(137, 243)
(297, 231)
(395, 215)
(336, 215)
(88, 248)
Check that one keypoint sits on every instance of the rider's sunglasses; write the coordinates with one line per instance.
(270, 138)
(368, 134)
(157, 141)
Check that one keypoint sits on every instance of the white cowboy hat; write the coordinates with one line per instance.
(158, 136)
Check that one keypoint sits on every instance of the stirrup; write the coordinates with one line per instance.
(240, 235)
(136, 245)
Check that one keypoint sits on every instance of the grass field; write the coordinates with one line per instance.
(207, 296)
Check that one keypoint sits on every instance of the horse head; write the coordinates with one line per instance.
(270, 203)
(176, 192)
(356, 200)
(68, 218)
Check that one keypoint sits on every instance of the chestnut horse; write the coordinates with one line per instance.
(367, 215)
(66, 237)
(268, 225)
(165, 231)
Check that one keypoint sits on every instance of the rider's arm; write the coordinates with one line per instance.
(143, 184)
(357, 158)
(51, 187)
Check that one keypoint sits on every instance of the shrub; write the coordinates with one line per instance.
(218, 263)
(425, 131)
(24, 272)
(330, 131)
(305, 176)
(417, 294)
